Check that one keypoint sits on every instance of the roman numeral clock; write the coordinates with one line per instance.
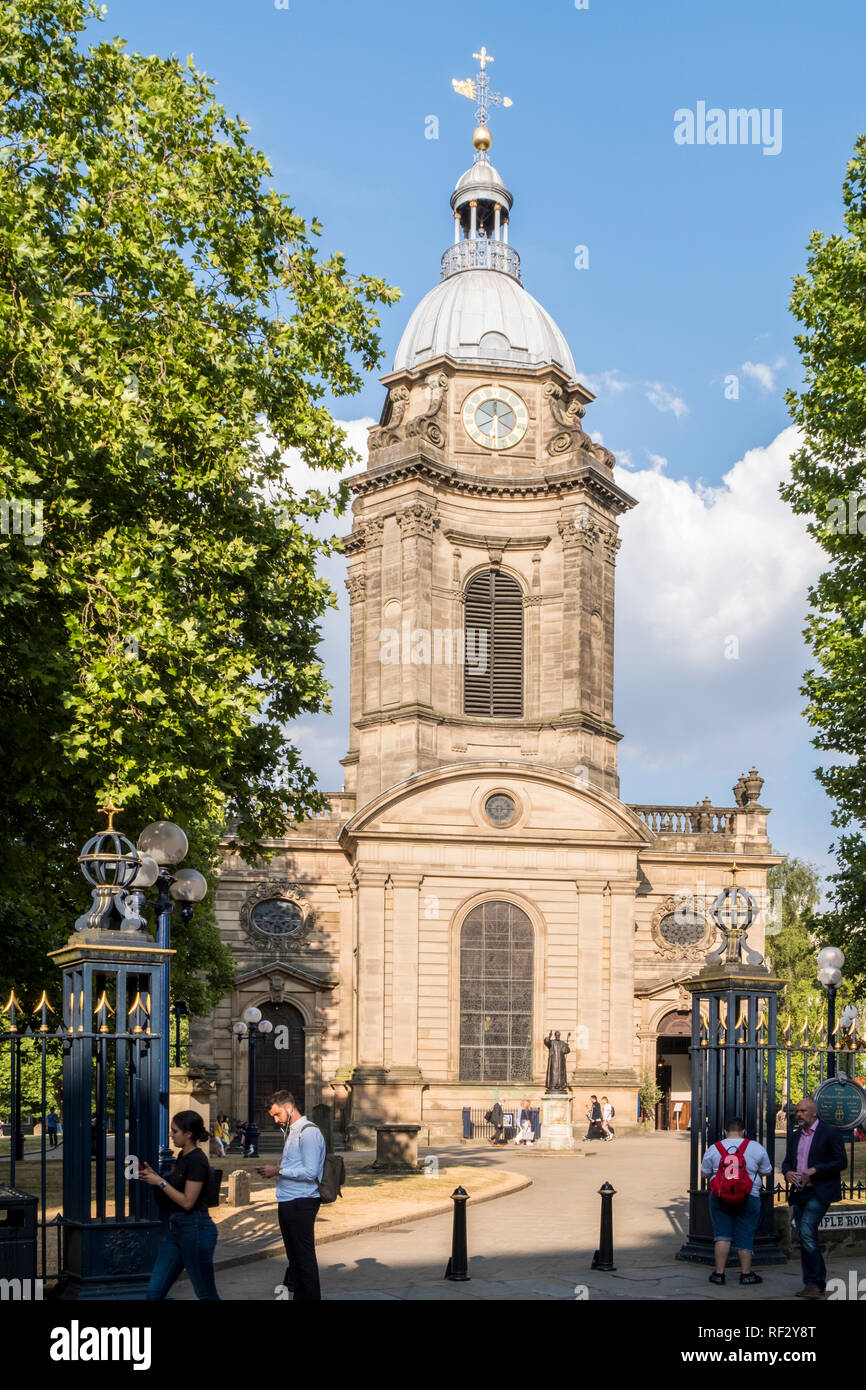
(495, 417)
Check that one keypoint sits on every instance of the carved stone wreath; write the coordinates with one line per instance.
(691, 947)
(280, 890)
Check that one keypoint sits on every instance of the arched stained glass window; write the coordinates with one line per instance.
(496, 971)
(493, 654)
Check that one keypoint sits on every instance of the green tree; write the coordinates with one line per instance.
(792, 953)
(30, 1081)
(162, 310)
(827, 486)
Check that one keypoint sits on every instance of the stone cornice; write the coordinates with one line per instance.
(496, 542)
(425, 713)
(419, 466)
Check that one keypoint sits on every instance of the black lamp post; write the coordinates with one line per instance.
(830, 962)
(162, 845)
(249, 1027)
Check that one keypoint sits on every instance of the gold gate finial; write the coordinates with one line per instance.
(110, 810)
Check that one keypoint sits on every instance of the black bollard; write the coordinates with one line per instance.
(459, 1262)
(603, 1257)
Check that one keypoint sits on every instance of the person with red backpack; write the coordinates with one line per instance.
(734, 1166)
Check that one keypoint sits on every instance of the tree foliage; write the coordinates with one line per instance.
(827, 486)
(161, 307)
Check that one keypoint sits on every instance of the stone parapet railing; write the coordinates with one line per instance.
(701, 819)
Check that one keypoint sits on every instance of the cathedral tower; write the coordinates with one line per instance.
(484, 540)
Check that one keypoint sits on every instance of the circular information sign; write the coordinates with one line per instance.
(841, 1102)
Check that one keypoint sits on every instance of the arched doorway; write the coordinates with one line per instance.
(673, 1070)
(280, 1059)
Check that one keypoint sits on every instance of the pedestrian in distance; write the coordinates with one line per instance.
(51, 1125)
(594, 1115)
(525, 1133)
(734, 1166)
(298, 1193)
(607, 1115)
(221, 1134)
(812, 1168)
(496, 1117)
(185, 1195)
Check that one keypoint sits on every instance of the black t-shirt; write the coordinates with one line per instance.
(191, 1167)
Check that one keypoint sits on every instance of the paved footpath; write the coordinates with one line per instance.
(538, 1243)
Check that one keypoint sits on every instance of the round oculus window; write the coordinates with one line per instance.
(684, 927)
(500, 808)
(276, 917)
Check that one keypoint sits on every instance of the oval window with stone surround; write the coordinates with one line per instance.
(276, 917)
(684, 927)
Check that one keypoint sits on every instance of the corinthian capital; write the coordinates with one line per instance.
(419, 519)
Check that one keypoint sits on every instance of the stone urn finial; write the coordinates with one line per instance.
(752, 786)
(740, 790)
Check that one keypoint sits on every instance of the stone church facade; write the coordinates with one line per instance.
(478, 880)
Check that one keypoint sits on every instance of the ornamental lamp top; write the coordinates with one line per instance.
(734, 911)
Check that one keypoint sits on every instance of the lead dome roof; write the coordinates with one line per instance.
(482, 316)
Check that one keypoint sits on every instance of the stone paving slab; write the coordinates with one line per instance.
(538, 1243)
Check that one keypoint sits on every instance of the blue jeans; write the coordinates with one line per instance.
(808, 1211)
(736, 1223)
(189, 1244)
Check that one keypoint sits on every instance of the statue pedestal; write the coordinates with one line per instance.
(556, 1131)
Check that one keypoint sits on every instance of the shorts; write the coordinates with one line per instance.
(735, 1223)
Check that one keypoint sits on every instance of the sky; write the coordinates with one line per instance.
(665, 256)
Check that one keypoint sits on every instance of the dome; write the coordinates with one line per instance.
(482, 316)
(481, 180)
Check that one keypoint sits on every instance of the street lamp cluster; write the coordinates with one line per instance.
(161, 846)
(830, 962)
(248, 1026)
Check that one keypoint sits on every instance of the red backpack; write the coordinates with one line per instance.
(731, 1182)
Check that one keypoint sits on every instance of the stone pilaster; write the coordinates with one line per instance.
(406, 925)
(370, 965)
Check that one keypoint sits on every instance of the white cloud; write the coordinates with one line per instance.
(659, 396)
(711, 600)
(763, 373)
(699, 564)
(658, 461)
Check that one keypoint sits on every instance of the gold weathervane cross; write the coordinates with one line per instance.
(479, 89)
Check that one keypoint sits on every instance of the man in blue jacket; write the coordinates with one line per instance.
(813, 1163)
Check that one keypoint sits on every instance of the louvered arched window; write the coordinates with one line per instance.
(493, 652)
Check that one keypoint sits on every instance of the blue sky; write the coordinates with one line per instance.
(691, 254)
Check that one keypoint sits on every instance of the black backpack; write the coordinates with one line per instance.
(214, 1182)
(333, 1173)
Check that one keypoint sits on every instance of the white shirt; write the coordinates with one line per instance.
(756, 1158)
(607, 1112)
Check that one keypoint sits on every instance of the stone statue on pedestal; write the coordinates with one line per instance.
(557, 1053)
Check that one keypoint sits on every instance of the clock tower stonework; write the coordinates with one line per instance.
(481, 464)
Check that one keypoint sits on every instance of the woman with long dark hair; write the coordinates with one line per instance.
(192, 1236)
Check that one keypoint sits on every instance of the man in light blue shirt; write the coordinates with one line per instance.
(298, 1198)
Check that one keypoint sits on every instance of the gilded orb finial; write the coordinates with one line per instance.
(481, 138)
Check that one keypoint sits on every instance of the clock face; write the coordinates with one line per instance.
(495, 417)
